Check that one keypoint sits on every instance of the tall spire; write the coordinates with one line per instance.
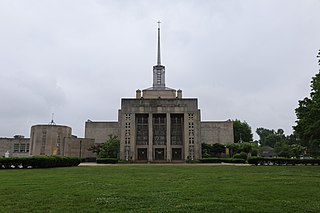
(159, 70)
(159, 53)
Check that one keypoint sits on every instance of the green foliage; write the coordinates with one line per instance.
(269, 137)
(212, 150)
(308, 118)
(246, 147)
(38, 162)
(107, 160)
(242, 131)
(111, 148)
(286, 150)
(242, 155)
(282, 161)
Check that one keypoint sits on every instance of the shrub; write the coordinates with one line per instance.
(282, 161)
(107, 160)
(255, 160)
(38, 162)
(242, 155)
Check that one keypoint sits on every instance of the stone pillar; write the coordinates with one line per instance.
(168, 137)
(186, 137)
(179, 94)
(133, 150)
(138, 94)
(150, 144)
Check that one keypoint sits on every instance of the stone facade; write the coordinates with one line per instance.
(58, 140)
(159, 129)
(159, 125)
(100, 131)
(18, 146)
(216, 132)
(47, 140)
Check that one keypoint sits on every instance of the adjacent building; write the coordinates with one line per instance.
(18, 146)
(58, 140)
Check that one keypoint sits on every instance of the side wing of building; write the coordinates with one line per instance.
(217, 132)
(100, 131)
(16, 147)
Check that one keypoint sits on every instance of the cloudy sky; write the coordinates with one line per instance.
(245, 59)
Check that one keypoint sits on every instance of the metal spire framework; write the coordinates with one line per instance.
(159, 70)
(159, 53)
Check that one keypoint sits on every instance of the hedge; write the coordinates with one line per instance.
(38, 162)
(222, 160)
(107, 160)
(282, 161)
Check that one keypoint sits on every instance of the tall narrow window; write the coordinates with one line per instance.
(142, 129)
(176, 129)
(159, 129)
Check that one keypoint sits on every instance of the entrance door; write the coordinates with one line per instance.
(159, 154)
(176, 154)
(142, 154)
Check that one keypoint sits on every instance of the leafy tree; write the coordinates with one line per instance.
(308, 117)
(109, 149)
(283, 149)
(246, 147)
(212, 150)
(269, 137)
(242, 131)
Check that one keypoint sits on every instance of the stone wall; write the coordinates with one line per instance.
(78, 147)
(100, 131)
(8, 144)
(217, 132)
(48, 139)
(155, 94)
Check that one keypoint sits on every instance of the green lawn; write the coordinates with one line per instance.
(161, 188)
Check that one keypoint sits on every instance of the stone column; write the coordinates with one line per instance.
(133, 150)
(168, 137)
(150, 144)
(186, 136)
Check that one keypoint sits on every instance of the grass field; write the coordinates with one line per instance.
(161, 188)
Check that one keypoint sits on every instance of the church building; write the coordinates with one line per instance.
(160, 125)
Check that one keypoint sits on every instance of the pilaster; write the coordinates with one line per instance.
(168, 137)
(150, 142)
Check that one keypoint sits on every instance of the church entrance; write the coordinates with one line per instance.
(176, 154)
(142, 154)
(159, 154)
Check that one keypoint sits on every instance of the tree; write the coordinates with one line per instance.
(109, 149)
(246, 147)
(269, 137)
(213, 150)
(308, 117)
(242, 131)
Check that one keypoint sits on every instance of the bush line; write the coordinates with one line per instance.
(107, 160)
(282, 161)
(38, 162)
(222, 160)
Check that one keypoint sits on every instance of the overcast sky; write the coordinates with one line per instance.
(243, 59)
